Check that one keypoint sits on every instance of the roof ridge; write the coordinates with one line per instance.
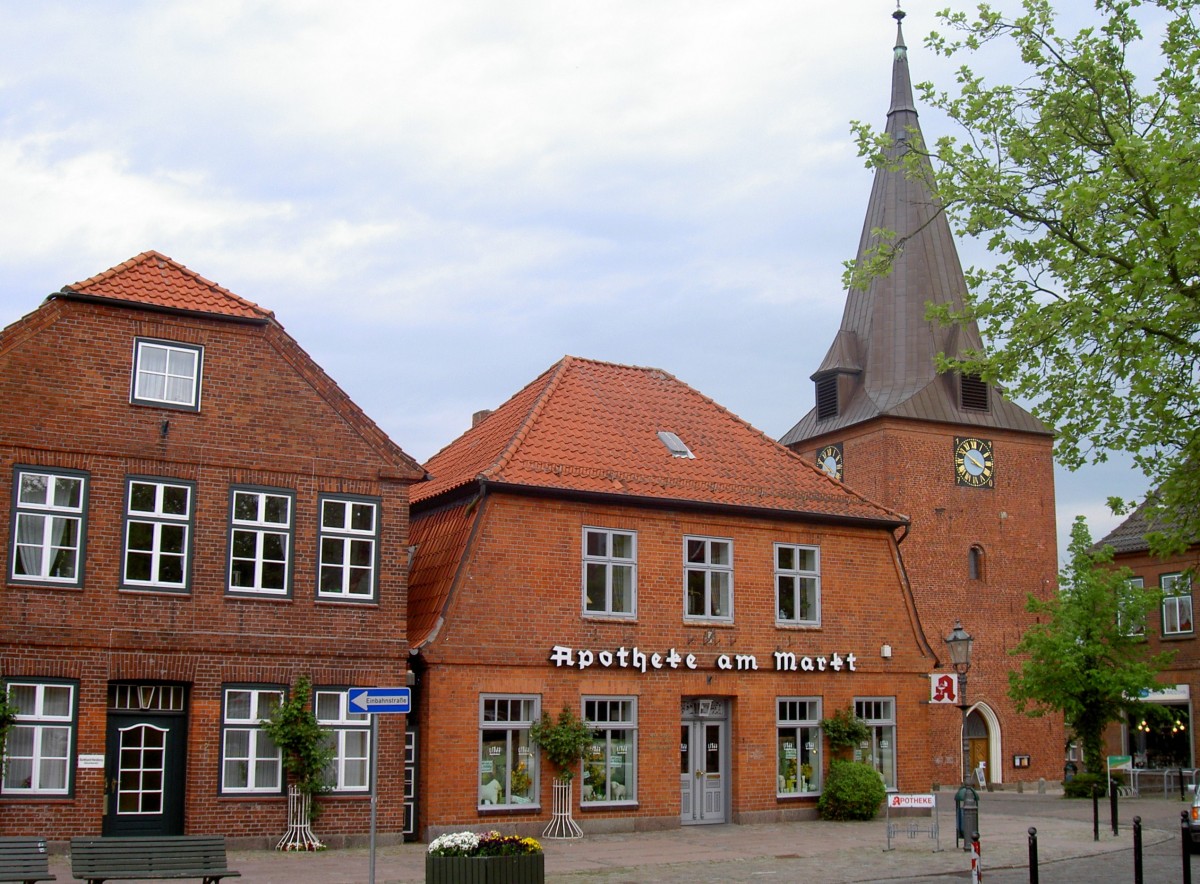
(557, 371)
(112, 273)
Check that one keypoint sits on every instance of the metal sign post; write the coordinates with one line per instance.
(374, 701)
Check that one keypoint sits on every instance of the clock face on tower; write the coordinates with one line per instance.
(974, 464)
(829, 459)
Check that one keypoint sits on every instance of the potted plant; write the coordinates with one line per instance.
(307, 750)
(491, 858)
(564, 741)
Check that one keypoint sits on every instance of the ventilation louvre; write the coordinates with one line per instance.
(827, 397)
(973, 393)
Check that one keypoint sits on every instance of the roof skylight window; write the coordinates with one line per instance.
(674, 444)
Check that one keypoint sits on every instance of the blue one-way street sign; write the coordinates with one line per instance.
(379, 699)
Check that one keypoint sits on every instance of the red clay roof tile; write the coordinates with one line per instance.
(590, 426)
(154, 280)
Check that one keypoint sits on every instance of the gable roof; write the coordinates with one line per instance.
(885, 342)
(153, 280)
(592, 427)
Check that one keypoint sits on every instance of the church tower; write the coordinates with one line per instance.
(972, 470)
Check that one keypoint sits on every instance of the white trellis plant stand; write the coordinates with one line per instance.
(561, 824)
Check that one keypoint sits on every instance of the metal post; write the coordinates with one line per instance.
(1182, 787)
(1137, 850)
(1186, 841)
(1033, 860)
(374, 788)
(966, 744)
(1095, 814)
(1112, 804)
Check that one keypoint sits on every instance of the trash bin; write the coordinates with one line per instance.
(1069, 771)
(966, 815)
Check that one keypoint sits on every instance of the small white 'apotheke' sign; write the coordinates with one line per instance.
(920, 802)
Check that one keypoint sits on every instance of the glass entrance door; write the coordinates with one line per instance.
(703, 765)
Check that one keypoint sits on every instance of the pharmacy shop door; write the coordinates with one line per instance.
(704, 760)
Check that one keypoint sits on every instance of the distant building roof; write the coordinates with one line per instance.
(594, 427)
(153, 280)
(886, 345)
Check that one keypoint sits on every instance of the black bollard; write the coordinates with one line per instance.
(1095, 814)
(1186, 840)
(1137, 850)
(1033, 862)
(1112, 803)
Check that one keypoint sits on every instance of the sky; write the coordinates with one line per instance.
(441, 200)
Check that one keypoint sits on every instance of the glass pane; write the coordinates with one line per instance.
(56, 701)
(266, 774)
(329, 706)
(355, 775)
(277, 509)
(333, 514)
(175, 500)
(237, 705)
(53, 774)
(34, 488)
(20, 742)
(179, 390)
(597, 543)
(620, 767)
(595, 590)
(18, 773)
(622, 589)
(242, 573)
(333, 550)
(55, 742)
(695, 594)
(24, 697)
(152, 386)
(331, 578)
(245, 506)
(787, 597)
(170, 569)
(622, 546)
(274, 547)
(237, 773)
(719, 551)
(181, 363)
(785, 558)
(362, 517)
(807, 559)
(696, 550)
(171, 538)
(141, 536)
(245, 544)
(142, 497)
(720, 594)
(362, 552)
(274, 576)
(151, 358)
(788, 763)
(493, 767)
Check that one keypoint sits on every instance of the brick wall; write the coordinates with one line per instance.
(64, 385)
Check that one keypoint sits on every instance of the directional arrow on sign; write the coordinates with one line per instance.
(379, 699)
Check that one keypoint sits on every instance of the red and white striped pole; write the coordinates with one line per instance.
(976, 865)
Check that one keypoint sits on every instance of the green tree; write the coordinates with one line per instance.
(1085, 657)
(564, 741)
(1081, 177)
(306, 746)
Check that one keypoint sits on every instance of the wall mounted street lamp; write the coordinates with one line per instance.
(959, 643)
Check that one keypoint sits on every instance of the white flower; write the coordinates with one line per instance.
(454, 844)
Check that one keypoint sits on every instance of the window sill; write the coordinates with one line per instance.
(346, 603)
(257, 597)
(156, 590)
(610, 805)
(797, 625)
(37, 584)
(507, 809)
(708, 624)
(252, 796)
(1177, 636)
(797, 796)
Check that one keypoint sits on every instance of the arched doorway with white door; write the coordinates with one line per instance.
(982, 737)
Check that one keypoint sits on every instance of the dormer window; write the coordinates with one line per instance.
(674, 444)
(973, 393)
(167, 374)
(827, 397)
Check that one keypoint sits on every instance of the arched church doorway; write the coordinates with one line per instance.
(979, 747)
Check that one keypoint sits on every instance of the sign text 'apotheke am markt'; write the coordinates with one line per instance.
(624, 658)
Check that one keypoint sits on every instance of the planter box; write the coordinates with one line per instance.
(525, 869)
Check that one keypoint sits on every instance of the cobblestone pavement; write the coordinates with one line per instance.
(810, 852)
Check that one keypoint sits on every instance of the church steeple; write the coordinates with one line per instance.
(883, 359)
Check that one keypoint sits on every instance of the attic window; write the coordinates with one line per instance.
(674, 444)
(827, 397)
(974, 392)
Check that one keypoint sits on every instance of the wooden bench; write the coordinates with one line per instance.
(25, 860)
(176, 856)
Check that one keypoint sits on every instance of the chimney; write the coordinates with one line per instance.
(480, 416)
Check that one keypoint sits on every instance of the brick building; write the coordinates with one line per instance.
(1166, 737)
(611, 541)
(970, 469)
(198, 516)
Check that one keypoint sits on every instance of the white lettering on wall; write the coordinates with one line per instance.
(636, 658)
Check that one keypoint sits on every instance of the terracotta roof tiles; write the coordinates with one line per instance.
(592, 427)
(152, 279)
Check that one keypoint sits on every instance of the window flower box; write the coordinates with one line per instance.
(492, 858)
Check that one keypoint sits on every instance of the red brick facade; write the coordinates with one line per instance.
(268, 418)
(508, 562)
(909, 466)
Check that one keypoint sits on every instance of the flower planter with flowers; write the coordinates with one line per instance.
(468, 858)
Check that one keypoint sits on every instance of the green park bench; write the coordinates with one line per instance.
(25, 860)
(176, 856)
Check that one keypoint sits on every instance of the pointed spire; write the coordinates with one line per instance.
(883, 360)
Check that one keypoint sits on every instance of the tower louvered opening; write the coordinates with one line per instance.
(973, 393)
(827, 397)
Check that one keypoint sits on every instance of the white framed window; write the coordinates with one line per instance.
(1131, 619)
(158, 529)
(508, 769)
(609, 572)
(350, 733)
(250, 760)
(797, 746)
(40, 748)
(49, 509)
(349, 542)
(797, 584)
(708, 578)
(260, 541)
(1177, 604)
(879, 750)
(166, 373)
(610, 765)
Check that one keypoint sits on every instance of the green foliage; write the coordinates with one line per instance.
(1081, 786)
(1080, 178)
(853, 791)
(1082, 658)
(8, 715)
(307, 747)
(564, 741)
(844, 731)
